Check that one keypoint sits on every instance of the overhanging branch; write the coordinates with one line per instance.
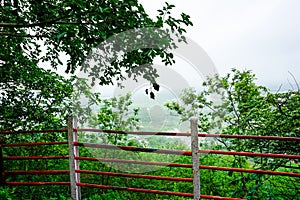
(15, 25)
(21, 35)
(50, 22)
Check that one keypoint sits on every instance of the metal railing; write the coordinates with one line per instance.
(74, 170)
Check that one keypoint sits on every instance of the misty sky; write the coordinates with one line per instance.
(261, 35)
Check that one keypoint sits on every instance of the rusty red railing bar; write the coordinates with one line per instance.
(38, 183)
(135, 189)
(203, 196)
(134, 162)
(33, 157)
(255, 137)
(34, 131)
(190, 166)
(182, 194)
(251, 154)
(130, 148)
(34, 144)
(188, 134)
(36, 172)
(134, 132)
(257, 171)
(135, 176)
(158, 133)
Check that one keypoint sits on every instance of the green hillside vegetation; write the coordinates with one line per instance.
(117, 114)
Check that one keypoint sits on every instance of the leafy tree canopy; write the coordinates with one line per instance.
(74, 28)
(34, 32)
(235, 104)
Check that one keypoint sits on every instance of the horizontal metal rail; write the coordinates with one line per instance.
(34, 144)
(134, 162)
(33, 157)
(135, 176)
(251, 154)
(158, 133)
(135, 189)
(190, 166)
(36, 172)
(34, 131)
(130, 148)
(133, 132)
(189, 134)
(186, 153)
(257, 171)
(152, 191)
(254, 137)
(37, 183)
(203, 196)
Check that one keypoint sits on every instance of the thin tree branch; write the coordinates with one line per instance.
(279, 89)
(15, 25)
(21, 35)
(75, 23)
(27, 25)
(48, 22)
(295, 80)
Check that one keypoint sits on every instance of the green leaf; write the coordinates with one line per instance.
(61, 35)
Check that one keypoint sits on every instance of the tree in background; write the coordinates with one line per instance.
(35, 32)
(33, 98)
(116, 114)
(245, 108)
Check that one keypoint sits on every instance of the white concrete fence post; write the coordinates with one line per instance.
(73, 164)
(195, 157)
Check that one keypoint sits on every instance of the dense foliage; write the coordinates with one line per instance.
(37, 32)
(235, 104)
(119, 115)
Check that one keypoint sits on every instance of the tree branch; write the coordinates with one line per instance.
(29, 25)
(49, 22)
(295, 80)
(76, 23)
(21, 35)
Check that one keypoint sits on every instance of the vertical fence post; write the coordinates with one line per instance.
(75, 192)
(195, 156)
(76, 153)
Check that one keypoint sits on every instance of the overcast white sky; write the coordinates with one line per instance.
(261, 35)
